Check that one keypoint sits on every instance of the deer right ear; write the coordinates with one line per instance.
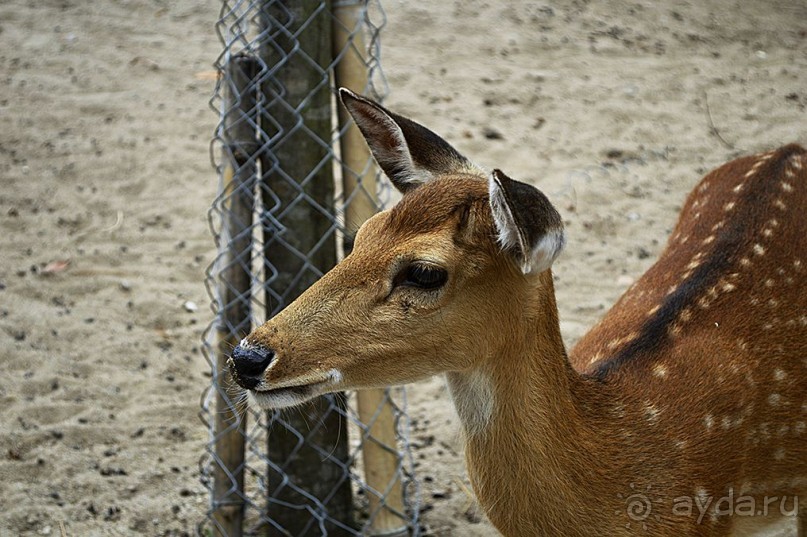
(409, 153)
(526, 222)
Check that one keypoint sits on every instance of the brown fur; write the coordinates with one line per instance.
(693, 385)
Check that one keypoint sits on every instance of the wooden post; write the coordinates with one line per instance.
(379, 451)
(313, 454)
(235, 281)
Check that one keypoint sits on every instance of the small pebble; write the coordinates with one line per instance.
(492, 134)
(190, 306)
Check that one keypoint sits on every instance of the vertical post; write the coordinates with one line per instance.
(238, 178)
(381, 459)
(297, 184)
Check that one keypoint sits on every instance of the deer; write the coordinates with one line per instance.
(681, 413)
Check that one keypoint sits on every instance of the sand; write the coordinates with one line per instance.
(615, 109)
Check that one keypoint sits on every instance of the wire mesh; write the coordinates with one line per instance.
(281, 218)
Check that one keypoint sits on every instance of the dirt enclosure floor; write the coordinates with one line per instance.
(613, 108)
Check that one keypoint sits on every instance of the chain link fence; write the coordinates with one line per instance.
(296, 181)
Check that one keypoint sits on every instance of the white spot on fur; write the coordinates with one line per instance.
(774, 399)
(660, 370)
(709, 422)
(614, 343)
(652, 413)
(779, 374)
(779, 204)
(759, 249)
(671, 289)
(779, 454)
(787, 187)
(729, 206)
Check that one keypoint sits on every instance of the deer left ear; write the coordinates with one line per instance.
(409, 153)
(526, 222)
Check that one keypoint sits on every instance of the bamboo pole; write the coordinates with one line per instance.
(379, 452)
(234, 282)
(297, 51)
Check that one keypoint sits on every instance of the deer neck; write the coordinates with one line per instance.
(531, 426)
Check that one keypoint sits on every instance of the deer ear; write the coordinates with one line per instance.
(409, 153)
(526, 222)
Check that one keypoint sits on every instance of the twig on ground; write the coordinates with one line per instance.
(712, 123)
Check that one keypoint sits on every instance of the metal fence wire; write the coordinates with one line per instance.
(295, 182)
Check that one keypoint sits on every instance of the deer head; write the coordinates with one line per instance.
(424, 283)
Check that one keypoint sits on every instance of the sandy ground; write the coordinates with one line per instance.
(614, 108)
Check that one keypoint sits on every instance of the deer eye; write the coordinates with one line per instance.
(422, 276)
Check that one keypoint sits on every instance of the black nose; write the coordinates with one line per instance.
(247, 365)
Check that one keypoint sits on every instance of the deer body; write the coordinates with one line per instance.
(691, 388)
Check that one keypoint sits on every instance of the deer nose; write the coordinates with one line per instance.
(248, 364)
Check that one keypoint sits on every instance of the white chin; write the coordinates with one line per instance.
(281, 398)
